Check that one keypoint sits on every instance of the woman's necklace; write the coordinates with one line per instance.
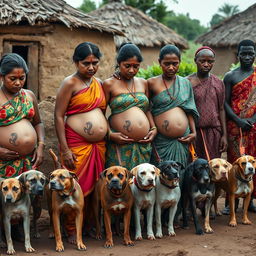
(87, 84)
(9, 100)
(132, 90)
(167, 89)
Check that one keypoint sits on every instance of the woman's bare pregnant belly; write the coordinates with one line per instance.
(20, 137)
(91, 125)
(132, 122)
(172, 123)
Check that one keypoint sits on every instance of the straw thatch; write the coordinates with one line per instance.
(231, 31)
(138, 27)
(52, 11)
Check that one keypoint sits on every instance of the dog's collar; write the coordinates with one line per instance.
(138, 186)
(70, 193)
(242, 179)
(162, 181)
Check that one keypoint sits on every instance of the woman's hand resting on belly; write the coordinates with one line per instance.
(8, 155)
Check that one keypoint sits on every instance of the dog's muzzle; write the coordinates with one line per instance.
(115, 184)
(8, 199)
(56, 185)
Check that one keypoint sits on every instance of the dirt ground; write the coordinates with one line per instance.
(225, 240)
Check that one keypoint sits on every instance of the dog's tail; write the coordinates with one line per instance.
(57, 164)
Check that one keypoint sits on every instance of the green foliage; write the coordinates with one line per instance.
(185, 26)
(225, 11)
(87, 6)
(185, 69)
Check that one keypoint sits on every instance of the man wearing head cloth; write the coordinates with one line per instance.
(209, 94)
(240, 106)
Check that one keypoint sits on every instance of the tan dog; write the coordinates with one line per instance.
(113, 192)
(241, 185)
(66, 197)
(220, 169)
(15, 203)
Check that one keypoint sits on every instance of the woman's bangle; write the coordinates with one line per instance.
(41, 142)
(66, 152)
(152, 128)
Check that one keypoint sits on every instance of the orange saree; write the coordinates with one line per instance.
(243, 103)
(90, 156)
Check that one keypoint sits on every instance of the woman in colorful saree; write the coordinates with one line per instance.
(131, 126)
(79, 118)
(22, 132)
(173, 109)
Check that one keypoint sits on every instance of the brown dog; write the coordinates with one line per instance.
(220, 169)
(241, 185)
(113, 192)
(15, 203)
(66, 197)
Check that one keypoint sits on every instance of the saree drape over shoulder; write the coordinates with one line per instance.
(209, 97)
(90, 156)
(131, 154)
(170, 148)
(243, 103)
(11, 112)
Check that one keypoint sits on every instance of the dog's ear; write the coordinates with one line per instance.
(134, 171)
(229, 165)
(181, 166)
(22, 178)
(73, 175)
(237, 163)
(128, 174)
(1, 183)
(104, 173)
(157, 171)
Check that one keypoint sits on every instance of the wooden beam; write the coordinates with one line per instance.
(26, 30)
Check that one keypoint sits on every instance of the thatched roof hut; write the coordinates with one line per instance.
(139, 28)
(225, 37)
(45, 33)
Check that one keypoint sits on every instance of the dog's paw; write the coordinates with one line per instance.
(208, 230)
(128, 243)
(109, 244)
(81, 246)
(218, 213)
(233, 223)
(30, 249)
(10, 251)
(246, 222)
(51, 235)
(72, 239)
(151, 237)
(59, 248)
(199, 231)
(159, 235)
(171, 233)
(138, 238)
(98, 237)
(37, 235)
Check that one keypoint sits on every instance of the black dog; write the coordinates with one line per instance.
(199, 191)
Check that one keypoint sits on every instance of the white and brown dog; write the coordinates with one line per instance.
(143, 190)
(219, 172)
(15, 204)
(241, 185)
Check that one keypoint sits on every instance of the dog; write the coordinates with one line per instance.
(198, 189)
(65, 196)
(143, 190)
(219, 171)
(241, 185)
(34, 182)
(113, 193)
(167, 194)
(15, 204)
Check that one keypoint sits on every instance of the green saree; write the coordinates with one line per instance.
(170, 148)
(131, 154)
(11, 112)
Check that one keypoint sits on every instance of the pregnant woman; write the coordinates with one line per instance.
(131, 124)
(21, 129)
(173, 109)
(79, 118)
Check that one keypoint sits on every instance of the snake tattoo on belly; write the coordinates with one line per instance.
(87, 128)
(165, 125)
(13, 139)
(127, 124)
